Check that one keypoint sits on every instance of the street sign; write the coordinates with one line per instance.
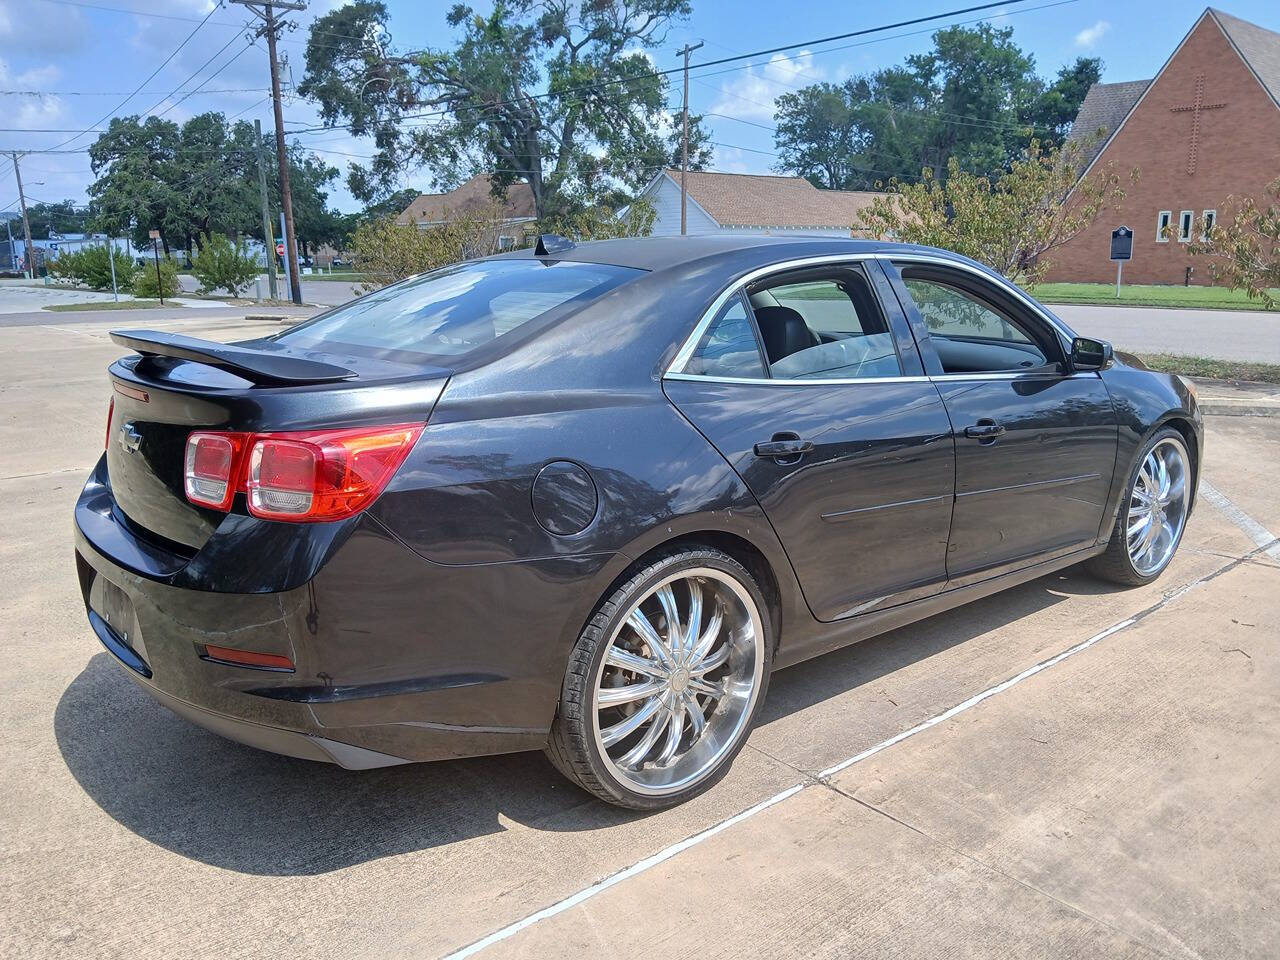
(1122, 244)
(279, 249)
(154, 234)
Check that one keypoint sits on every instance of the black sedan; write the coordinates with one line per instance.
(586, 498)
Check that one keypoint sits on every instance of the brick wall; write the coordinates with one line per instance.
(1238, 153)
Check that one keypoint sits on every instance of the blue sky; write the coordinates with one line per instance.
(66, 63)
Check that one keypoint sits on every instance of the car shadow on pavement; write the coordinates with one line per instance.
(241, 809)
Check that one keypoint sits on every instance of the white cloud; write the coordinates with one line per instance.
(749, 95)
(1089, 36)
(39, 110)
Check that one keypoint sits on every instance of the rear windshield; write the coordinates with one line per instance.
(451, 312)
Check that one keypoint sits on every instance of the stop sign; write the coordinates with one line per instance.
(279, 249)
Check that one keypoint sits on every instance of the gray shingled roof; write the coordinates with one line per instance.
(1104, 107)
(1259, 47)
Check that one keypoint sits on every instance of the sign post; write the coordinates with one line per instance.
(155, 246)
(1121, 250)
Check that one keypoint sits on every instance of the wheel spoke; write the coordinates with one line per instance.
(1175, 491)
(1162, 476)
(716, 659)
(637, 754)
(644, 629)
(1141, 495)
(1138, 526)
(626, 660)
(667, 597)
(690, 636)
(709, 635)
(697, 719)
(707, 688)
(675, 733)
(613, 696)
(620, 731)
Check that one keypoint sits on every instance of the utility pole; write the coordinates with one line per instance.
(30, 257)
(272, 24)
(684, 144)
(268, 234)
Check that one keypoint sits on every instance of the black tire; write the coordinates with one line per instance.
(1114, 564)
(572, 746)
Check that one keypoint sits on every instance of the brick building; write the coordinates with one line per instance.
(1207, 127)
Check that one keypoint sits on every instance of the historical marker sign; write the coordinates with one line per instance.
(1122, 244)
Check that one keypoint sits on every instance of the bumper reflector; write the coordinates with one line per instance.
(246, 658)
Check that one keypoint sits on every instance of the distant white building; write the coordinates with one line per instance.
(754, 203)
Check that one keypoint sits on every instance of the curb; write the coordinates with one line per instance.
(1225, 407)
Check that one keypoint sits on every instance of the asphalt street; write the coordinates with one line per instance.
(1066, 769)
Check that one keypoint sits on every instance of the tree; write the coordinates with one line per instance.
(700, 151)
(974, 97)
(135, 163)
(1054, 111)
(1011, 223)
(555, 93)
(201, 178)
(1243, 247)
(46, 218)
(220, 264)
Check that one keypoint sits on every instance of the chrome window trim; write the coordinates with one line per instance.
(940, 378)
(675, 369)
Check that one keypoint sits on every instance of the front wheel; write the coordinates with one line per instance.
(1153, 515)
(664, 683)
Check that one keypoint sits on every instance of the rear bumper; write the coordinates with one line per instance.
(396, 658)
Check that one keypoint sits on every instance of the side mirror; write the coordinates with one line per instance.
(1089, 354)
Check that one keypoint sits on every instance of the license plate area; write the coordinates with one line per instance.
(115, 609)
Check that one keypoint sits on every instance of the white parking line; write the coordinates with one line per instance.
(1265, 542)
(1259, 534)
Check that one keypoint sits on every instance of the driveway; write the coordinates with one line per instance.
(1065, 769)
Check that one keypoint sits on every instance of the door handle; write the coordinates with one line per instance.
(784, 446)
(985, 430)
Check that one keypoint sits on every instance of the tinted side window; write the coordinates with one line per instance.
(729, 347)
(825, 327)
(970, 335)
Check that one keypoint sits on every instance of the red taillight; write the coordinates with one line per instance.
(305, 475)
(210, 469)
(111, 412)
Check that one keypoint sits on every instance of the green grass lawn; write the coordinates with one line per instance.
(1209, 367)
(1219, 298)
(107, 305)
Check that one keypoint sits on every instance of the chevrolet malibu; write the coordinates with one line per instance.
(586, 498)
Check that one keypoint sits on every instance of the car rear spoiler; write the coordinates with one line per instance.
(262, 367)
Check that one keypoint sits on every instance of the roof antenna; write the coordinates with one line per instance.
(549, 243)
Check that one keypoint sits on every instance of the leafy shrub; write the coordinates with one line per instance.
(91, 266)
(144, 280)
(220, 264)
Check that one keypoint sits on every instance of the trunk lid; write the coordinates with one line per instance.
(174, 385)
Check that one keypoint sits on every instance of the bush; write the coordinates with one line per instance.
(385, 251)
(220, 264)
(144, 280)
(91, 266)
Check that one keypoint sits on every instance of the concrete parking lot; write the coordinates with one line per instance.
(1066, 769)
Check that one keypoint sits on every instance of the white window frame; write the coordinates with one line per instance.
(1209, 221)
(1164, 220)
(1187, 217)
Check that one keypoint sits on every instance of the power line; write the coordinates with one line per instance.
(150, 77)
(114, 93)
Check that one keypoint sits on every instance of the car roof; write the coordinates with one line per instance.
(663, 253)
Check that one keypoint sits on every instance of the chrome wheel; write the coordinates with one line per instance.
(678, 681)
(1157, 507)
